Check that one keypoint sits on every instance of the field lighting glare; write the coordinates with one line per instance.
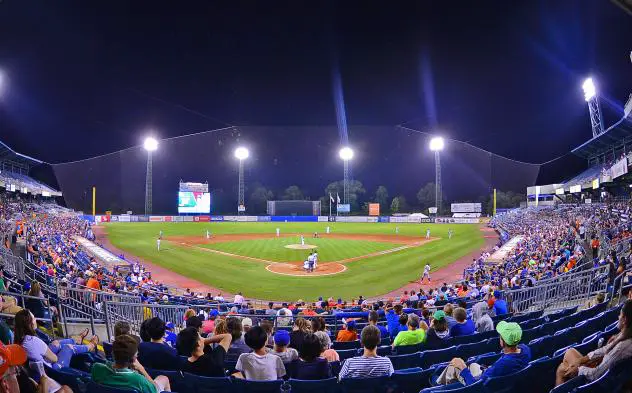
(241, 153)
(437, 143)
(151, 144)
(589, 89)
(346, 153)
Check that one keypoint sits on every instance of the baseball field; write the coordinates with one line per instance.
(353, 259)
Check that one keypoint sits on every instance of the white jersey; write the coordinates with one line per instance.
(158, 244)
(208, 234)
(327, 230)
(278, 231)
(302, 241)
(427, 269)
(396, 230)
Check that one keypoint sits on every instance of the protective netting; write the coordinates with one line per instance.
(307, 157)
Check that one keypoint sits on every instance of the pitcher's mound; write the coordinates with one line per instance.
(300, 246)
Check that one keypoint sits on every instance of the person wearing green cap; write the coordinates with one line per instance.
(515, 356)
(438, 331)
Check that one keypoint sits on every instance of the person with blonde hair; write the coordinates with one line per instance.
(300, 329)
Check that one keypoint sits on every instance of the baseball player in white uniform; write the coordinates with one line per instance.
(208, 234)
(327, 230)
(302, 240)
(278, 232)
(158, 243)
(428, 233)
(426, 273)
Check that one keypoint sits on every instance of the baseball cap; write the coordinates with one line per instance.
(282, 337)
(170, 325)
(510, 332)
(214, 313)
(438, 315)
(351, 324)
(11, 355)
(246, 322)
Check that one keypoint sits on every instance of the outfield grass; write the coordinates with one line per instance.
(369, 277)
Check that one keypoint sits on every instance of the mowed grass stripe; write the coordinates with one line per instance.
(369, 277)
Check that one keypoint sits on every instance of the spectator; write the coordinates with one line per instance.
(413, 335)
(369, 364)
(204, 360)
(392, 319)
(194, 322)
(246, 324)
(258, 365)
(515, 356)
(208, 326)
(170, 337)
(271, 311)
(189, 313)
(448, 309)
(500, 305)
(597, 362)
(438, 332)
(319, 325)
(220, 327)
(373, 318)
(281, 349)
(55, 355)
(156, 354)
(325, 347)
(464, 326)
(126, 372)
(299, 331)
(349, 333)
(310, 365)
(238, 344)
(269, 328)
(481, 318)
(122, 327)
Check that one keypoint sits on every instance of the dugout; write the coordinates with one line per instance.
(294, 208)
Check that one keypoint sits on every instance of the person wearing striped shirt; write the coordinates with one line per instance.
(369, 364)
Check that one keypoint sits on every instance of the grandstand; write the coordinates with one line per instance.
(14, 172)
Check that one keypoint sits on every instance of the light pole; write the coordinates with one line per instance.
(150, 144)
(241, 153)
(346, 154)
(3, 83)
(436, 145)
(590, 95)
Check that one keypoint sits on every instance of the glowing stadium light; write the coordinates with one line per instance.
(150, 144)
(241, 153)
(2, 82)
(437, 143)
(589, 89)
(346, 153)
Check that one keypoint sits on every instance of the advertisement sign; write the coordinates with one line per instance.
(374, 209)
(176, 218)
(134, 218)
(167, 218)
(323, 219)
(217, 218)
(456, 220)
(143, 219)
(595, 184)
(263, 218)
(620, 168)
(344, 208)
(124, 218)
(558, 191)
(194, 187)
(194, 202)
(576, 188)
(466, 208)
(353, 219)
(156, 218)
(241, 208)
(187, 218)
(114, 218)
(383, 219)
(432, 210)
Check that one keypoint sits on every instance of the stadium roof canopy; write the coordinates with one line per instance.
(12, 158)
(618, 135)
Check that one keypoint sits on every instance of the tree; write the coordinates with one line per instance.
(293, 193)
(427, 196)
(395, 205)
(356, 192)
(381, 197)
(399, 205)
(259, 199)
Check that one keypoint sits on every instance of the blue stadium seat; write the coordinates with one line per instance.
(323, 385)
(486, 359)
(599, 385)
(542, 346)
(342, 345)
(94, 387)
(247, 386)
(562, 339)
(620, 374)
(406, 349)
(516, 382)
(107, 349)
(383, 351)
(74, 379)
(476, 387)
(405, 361)
(198, 384)
(410, 380)
(365, 385)
(532, 323)
(466, 351)
(429, 358)
(176, 379)
(543, 371)
(530, 334)
(569, 386)
(385, 341)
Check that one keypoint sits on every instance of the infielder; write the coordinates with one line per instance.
(208, 234)
(158, 242)
(428, 233)
(278, 232)
(160, 234)
(450, 233)
(397, 230)
(302, 240)
(426, 273)
(327, 230)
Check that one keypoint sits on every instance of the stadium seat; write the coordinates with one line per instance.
(303, 386)
(405, 361)
(347, 353)
(365, 385)
(543, 371)
(431, 357)
(385, 341)
(530, 334)
(335, 368)
(411, 379)
(620, 374)
(569, 386)
(599, 385)
(486, 359)
(467, 350)
(562, 339)
(542, 346)
(247, 386)
(382, 351)
(476, 387)
(74, 379)
(94, 387)
(343, 345)
(107, 349)
(176, 379)
(515, 382)
(406, 349)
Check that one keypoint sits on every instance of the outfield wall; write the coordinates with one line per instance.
(355, 219)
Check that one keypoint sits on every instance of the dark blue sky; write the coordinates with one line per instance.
(88, 77)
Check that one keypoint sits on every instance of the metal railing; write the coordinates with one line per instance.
(563, 291)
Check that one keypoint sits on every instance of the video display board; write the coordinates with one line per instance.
(194, 202)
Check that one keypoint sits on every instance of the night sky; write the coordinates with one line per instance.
(84, 78)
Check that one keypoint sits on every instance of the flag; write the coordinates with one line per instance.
(338, 198)
(330, 197)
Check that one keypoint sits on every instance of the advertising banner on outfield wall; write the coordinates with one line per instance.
(263, 219)
(356, 219)
(187, 218)
(374, 209)
(383, 219)
(323, 219)
(124, 218)
(167, 218)
(217, 218)
(133, 218)
(143, 219)
(156, 218)
(114, 218)
(176, 218)
(202, 218)
(456, 220)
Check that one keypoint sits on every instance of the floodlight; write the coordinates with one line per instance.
(151, 144)
(589, 89)
(241, 153)
(346, 153)
(437, 143)
(2, 81)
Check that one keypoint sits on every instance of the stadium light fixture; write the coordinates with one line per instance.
(437, 143)
(589, 89)
(2, 82)
(150, 144)
(346, 153)
(241, 153)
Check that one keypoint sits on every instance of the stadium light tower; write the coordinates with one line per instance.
(346, 154)
(3, 83)
(241, 153)
(437, 144)
(151, 145)
(591, 97)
